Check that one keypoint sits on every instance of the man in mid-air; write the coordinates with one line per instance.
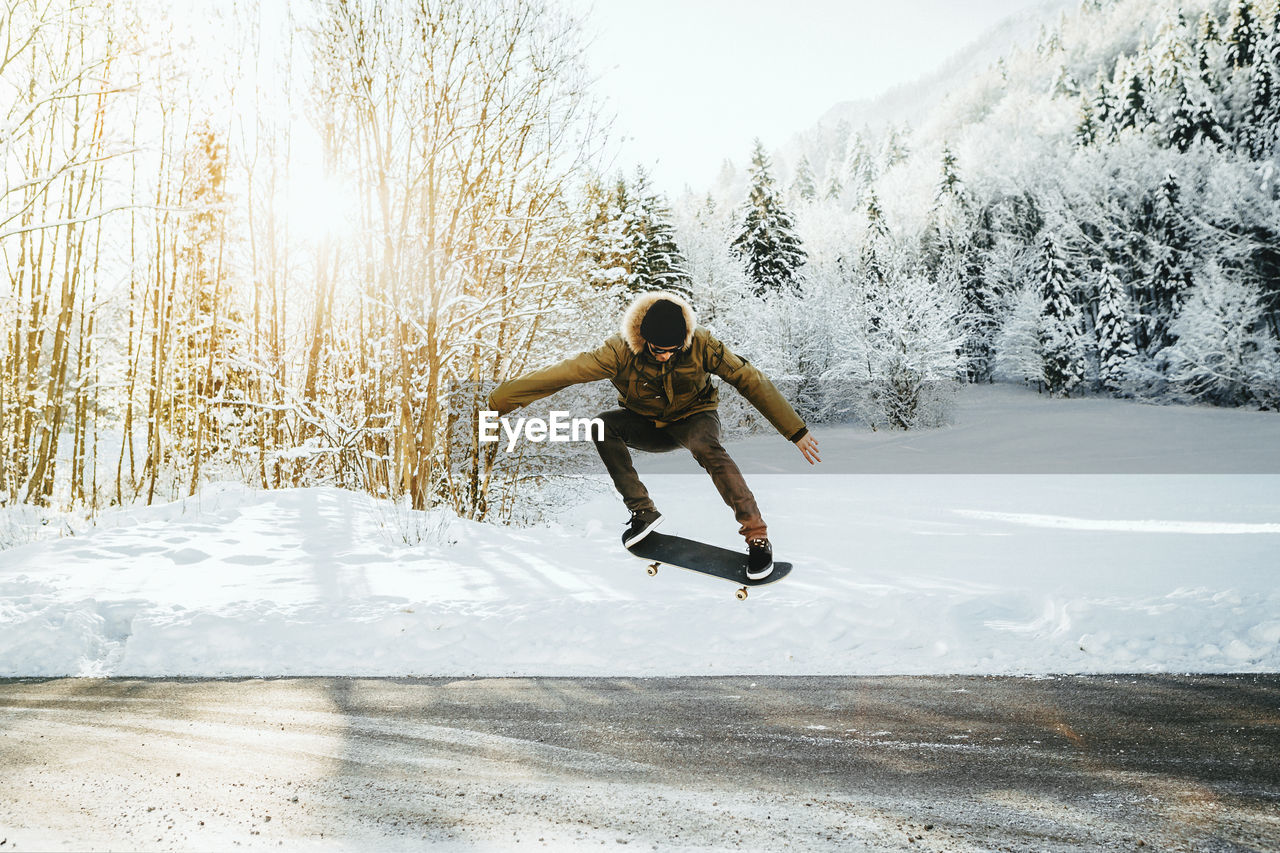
(661, 362)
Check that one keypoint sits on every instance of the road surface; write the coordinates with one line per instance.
(919, 763)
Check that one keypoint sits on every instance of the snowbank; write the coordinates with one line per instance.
(896, 573)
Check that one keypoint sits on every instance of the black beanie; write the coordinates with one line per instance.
(664, 324)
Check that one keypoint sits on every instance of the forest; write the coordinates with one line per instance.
(294, 245)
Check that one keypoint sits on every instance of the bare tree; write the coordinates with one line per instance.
(56, 72)
(469, 123)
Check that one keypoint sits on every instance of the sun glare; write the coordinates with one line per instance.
(319, 206)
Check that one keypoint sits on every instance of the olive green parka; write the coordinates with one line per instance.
(661, 391)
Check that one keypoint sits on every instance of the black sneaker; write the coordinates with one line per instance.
(759, 559)
(641, 523)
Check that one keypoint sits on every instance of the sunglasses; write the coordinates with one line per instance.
(662, 350)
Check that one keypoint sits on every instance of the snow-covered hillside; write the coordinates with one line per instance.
(896, 572)
(911, 103)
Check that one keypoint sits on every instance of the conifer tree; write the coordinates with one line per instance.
(859, 166)
(607, 256)
(1264, 111)
(630, 240)
(871, 262)
(1104, 108)
(1242, 41)
(1170, 276)
(947, 231)
(1204, 65)
(1172, 55)
(767, 243)
(1188, 122)
(949, 185)
(1064, 84)
(895, 147)
(1134, 110)
(1271, 44)
(1061, 338)
(1209, 29)
(804, 187)
(1181, 131)
(1269, 115)
(1115, 335)
(659, 263)
(1086, 128)
(835, 189)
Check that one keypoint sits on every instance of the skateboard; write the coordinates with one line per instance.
(704, 559)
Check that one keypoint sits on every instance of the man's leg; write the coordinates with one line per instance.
(623, 429)
(700, 433)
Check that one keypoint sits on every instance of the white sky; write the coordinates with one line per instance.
(692, 82)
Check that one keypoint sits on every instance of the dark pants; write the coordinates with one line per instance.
(699, 433)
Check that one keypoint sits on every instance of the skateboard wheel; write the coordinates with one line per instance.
(742, 594)
(653, 569)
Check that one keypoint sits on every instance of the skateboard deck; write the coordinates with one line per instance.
(694, 556)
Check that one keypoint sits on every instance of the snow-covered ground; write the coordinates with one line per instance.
(895, 572)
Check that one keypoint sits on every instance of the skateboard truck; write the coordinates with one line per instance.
(741, 594)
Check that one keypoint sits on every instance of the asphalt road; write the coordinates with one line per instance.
(922, 763)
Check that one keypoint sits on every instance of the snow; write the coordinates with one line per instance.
(912, 568)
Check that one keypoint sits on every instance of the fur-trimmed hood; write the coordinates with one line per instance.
(634, 316)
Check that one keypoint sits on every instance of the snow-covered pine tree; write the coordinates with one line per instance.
(839, 141)
(1086, 127)
(871, 263)
(858, 168)
(1271, 45)
(947, 234)
(658, 261)
(894, 150)
(1208, 45)
(1134, 110)
(608, 255)
(1188, 122)
(1268, 115)
(835, 188)
(1170, 278)
(947, 229)
(1061, 338)
(1264, 110)
(951, 253)
(767, 243)
(1208, 29)
(1172, 54)
(804, 187)
(630, 243)
(1104, 108)
(949, 184)
(1064, 84)
(1115, 334)
(1242, 41)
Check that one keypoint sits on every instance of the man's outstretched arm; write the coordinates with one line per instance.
(601, 363)
(762, 394)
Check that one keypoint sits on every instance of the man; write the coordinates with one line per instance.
(660, 362)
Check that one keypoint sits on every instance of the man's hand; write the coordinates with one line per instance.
(809, 447)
